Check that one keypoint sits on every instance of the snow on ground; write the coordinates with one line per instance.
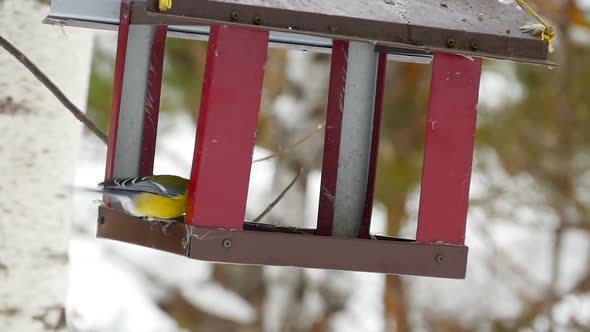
(510, 249)
(218, 301)
(105, 295)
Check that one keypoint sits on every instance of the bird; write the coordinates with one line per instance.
(164, 5)
(153, 197)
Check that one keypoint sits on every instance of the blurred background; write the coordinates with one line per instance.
(528, 226)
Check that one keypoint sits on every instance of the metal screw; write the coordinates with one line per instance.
(125, 12)
(474, 45)
(439, 258)
(235, 15)
(226, 243)
(257, 20)
(451, 42)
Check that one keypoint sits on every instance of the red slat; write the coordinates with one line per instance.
(124, 20)
(332, 133)
(365, 228)
(226, 129)
(152, 107)
(448, 152)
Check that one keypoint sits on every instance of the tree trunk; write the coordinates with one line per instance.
(38, 146)
(396, 307)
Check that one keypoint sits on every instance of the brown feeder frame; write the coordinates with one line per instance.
(263, 244)
(455, 34)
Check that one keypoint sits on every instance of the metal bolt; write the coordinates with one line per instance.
(226, 243)
(474, 45)
(439, 258)
(451, 42)
(257, 20)
(235, 15)
(125, 12)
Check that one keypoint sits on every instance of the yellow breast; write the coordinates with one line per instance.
(151, 205)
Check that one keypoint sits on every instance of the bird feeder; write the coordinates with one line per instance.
(453, 35)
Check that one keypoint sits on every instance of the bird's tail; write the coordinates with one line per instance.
(106, 191)
(87, 190)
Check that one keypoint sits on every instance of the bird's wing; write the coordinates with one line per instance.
(145, 184)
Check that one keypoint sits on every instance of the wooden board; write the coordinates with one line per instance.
(261, 244)
(487, 28)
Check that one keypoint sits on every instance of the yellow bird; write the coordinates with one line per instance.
(164, 5)
(152, 197)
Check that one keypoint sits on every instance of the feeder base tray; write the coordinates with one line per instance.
(264, 244)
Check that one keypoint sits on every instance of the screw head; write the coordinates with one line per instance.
(226, 243)
(474, 44)
(451, 42)
(235, 15)
(439, 258)
(257, 20)
(125, 12)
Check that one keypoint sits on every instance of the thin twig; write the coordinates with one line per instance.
(291, 147)
(278, 199)
(53, 88)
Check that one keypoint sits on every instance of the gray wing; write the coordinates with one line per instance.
(141, 184)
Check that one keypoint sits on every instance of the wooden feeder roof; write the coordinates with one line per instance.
(485, 28)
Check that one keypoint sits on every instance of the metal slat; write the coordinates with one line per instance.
(332, 133)
(355, 139)
(448, 150)
(117, 89)
(152, 106)
(226, 128)
(136, 98)
(364, 232)
(347, 144)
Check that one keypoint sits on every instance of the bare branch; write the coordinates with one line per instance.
(291, 147)
(278, 199)
(53, 88)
